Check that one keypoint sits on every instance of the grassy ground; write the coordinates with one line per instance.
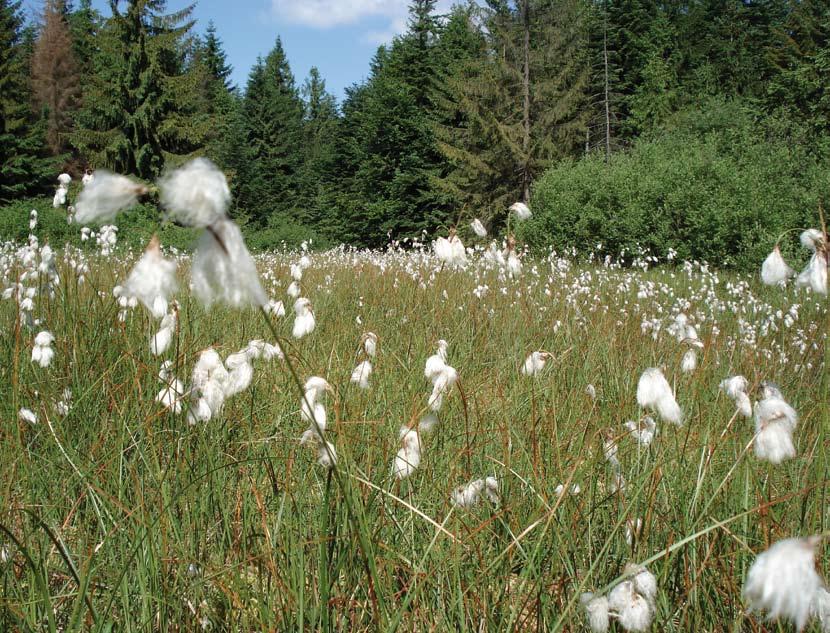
(122, 516)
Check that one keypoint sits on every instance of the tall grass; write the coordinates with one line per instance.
(121, 516)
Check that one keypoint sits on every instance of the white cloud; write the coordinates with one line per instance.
(325, 14)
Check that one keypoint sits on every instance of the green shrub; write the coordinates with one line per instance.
(715, 186)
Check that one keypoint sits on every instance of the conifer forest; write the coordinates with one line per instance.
(527, 330)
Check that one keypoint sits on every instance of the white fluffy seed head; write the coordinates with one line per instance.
(361, 373)
(450, 251)
(689, 362)
(370, 344)
(521, 210)
(535, 363)
(820, 608)
(774, 270)
(105, 196)
(774, 443)
(734, 385)
(316, 387)
(470, 494)
(151, 279)
(304, 321)
(408, 458)
(654, 392)
(196, 194)
(223, 269)
(783, 580)
(774, 409)
(44, 338)
(630, 608)
(642, 431)
(160, 341)
(478, 228)
(596, 610)
(814, 276)
(812, 239)
(326, 455)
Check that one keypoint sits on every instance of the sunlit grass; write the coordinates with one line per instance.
(120, 514)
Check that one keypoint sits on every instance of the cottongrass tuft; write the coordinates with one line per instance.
(172, 394)
(208, 383)
(470, 494)
(774, 270)
(596, 610)
(736, 387)
(240, 373)
(689, 362)
(196, 194)
(655, 393)
(361, 373)
(313, 411)
(223, 269)
(521, 210)
(631, 603)
(408, 458)
(108, 194)
(783, 580)
(535, 363)
(450, 251)
(161, 340)
(152, 280)
(642, 431)
(478, 228)
(42, 352)
(812, 239)
(304, 321)
(775, 421)
(814, 275)
(370, 344)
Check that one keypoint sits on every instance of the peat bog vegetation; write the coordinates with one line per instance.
(574, 423)
(120, 512)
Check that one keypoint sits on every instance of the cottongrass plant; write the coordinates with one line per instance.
(119, 514)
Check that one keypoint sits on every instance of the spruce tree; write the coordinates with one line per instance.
(216, 59)
(523, 102)
(23, 166)
(54, 75)
(388, 128)
(272, 113)
(138, 104)
(319, 131)
(800, 53)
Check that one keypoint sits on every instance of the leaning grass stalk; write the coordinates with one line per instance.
(358, 518)
(92, 494)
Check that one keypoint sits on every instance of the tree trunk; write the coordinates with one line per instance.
(526, 112)
(607, 90)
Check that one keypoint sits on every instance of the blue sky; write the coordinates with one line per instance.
(338, 36)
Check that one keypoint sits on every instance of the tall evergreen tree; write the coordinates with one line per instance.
(218, 104)
(272, 113)
(389, 128)
(23, 166)
(85, 24)
(801, 55)
(524, 101)
(144, 120)
(54, 75)
(319, 131)
(215, 57)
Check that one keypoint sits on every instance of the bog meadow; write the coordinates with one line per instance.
(528, 333)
